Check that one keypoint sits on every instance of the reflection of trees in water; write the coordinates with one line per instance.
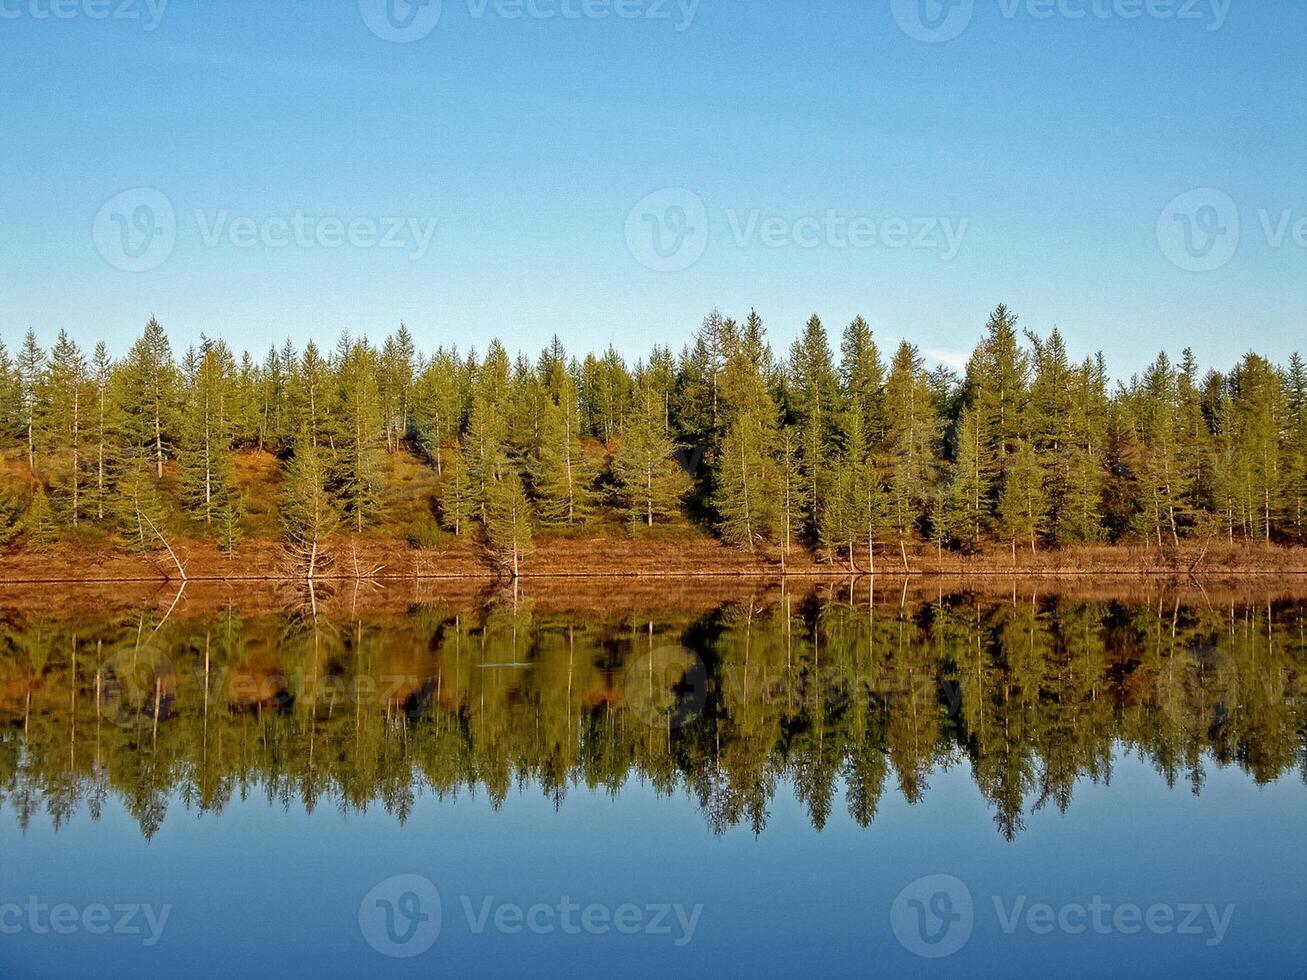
(816, 694)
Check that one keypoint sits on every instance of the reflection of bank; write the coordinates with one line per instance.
(665, 687)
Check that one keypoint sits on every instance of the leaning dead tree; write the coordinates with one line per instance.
(144, 518)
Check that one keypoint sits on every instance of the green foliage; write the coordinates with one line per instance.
(39, 523)
(562, 476)
(425, 533)
(308, 511)
(508, 521)
(651, 485)
(138, 506)
(458, 502)
(1030, 447)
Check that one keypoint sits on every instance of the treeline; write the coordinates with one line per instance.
(830, 447)
(826, 696)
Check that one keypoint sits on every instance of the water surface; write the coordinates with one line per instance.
(373, 782)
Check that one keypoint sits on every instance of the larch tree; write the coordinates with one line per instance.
(997, 376)
(395, 389)
(1023, 506)
(272, 402)
(508, 521)
(66, 418)
(485, 447)
(438, 405)
(149, 393)
(308, 512)
(1296, 465)
(964, 506)
(651, 485)
(862, 375)
(748, 481)
(458, 502)
(814, 389)
(911, 443)
(310, 391)
(139, 508)
(11, 400)
(1255, 424)
(31, 377)
(359, 423)
(205, 435)
(855, 512)
(562, 475)
(105, 429)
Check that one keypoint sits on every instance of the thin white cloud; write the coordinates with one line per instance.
(956, 359)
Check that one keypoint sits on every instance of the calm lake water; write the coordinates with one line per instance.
(787, 782)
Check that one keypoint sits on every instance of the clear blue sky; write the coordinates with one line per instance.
(529, 140)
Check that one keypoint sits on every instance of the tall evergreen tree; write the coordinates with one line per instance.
(1023, 507)
(458, 502)
(308, 512)
(358, 416)
(814, 390)
(66, 418)
(149, 393)
(105, 429)
(651, 486)
(205, 435)
(31, 378)
(911, 443)
(862, 374)
(508, 521)
(562, 476)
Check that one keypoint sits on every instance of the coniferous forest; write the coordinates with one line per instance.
(835, 447)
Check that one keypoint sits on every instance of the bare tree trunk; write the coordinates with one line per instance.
(142, 516)
(77, 462)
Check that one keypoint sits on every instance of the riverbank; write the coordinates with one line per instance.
(380, 558)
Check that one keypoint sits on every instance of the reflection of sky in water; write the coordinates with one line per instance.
(266, 891)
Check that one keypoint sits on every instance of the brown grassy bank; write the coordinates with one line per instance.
(685, 556)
